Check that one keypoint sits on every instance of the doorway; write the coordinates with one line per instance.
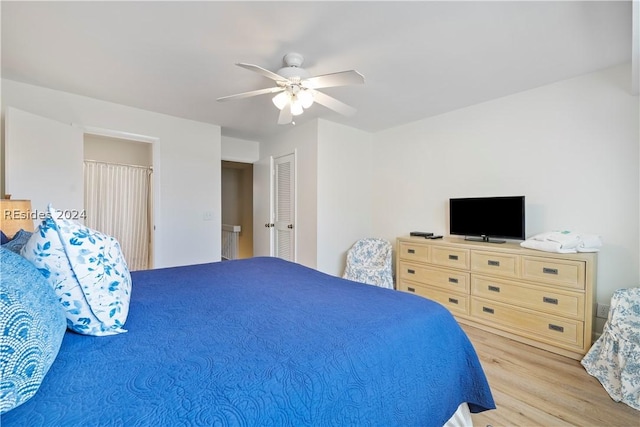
(118, 194)
(237, 209)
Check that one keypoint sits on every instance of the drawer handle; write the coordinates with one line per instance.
(453, 257)
(411, 289)
(411, 251)
(546, 270)
(494, 288)
(494, 263)
(410, 271)
(550, 300)
(489, 310)
(556, 327)
(453, 280)
(453, 300)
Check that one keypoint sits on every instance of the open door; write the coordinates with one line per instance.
(262, 220)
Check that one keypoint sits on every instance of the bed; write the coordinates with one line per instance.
(263, 341)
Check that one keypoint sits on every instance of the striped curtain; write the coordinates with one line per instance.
(117, 203)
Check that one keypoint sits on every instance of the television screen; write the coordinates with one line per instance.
(487, 217)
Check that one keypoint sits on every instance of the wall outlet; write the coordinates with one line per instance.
(207, 216)
(602, 311)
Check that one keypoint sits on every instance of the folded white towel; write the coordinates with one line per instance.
(557, 236)
(541, 236)
(566, 239)
(566, 242)
(579, 249)
(590, 243)
(547, 246)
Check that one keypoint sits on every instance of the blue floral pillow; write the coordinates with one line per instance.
(87, 271)
(32, 325)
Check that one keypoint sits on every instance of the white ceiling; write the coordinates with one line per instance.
(419, 58)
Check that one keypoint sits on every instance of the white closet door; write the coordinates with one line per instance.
(284, 207)
(262, 207)
(43, 161)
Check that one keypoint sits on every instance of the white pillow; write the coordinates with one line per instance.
(87, 271)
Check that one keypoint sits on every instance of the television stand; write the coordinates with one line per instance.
(484, 239)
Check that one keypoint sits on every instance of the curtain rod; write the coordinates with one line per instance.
(120, 164)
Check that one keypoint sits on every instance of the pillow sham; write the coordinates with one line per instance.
(3, 238)
(88, 272)
(33, 325)
(18, 241)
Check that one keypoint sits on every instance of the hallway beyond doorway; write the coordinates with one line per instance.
(237, 202)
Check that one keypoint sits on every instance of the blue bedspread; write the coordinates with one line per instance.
(262, 342)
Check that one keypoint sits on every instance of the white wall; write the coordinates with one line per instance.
(303, 140)
(240, 150)
(344, 192)
(572, 148)
(187, 159)
(45, 162)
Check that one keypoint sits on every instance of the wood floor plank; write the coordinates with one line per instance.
(533, 387)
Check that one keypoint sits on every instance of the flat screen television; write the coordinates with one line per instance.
(487, 218)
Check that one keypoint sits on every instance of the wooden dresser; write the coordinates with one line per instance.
(540, 298)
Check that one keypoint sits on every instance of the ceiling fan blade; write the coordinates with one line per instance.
(285, 116)
(332, 103)
(342, 78)
(263, 71)
(252, 93)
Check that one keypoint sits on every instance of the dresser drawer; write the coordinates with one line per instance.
(450, 257)
(550, 329)
(433, 276)
(497, 264)
(566, 273)
(456, 303)
(415, 252)
(562, 303)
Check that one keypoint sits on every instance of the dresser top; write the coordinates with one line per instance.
(507, 247)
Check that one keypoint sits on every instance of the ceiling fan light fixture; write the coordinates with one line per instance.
(306, 98)
(297, 90)
(296, 107)
(281, 100)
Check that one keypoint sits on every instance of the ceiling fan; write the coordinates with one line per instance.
(297, 90)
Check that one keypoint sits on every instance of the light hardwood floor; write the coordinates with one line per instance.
(533, 387)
